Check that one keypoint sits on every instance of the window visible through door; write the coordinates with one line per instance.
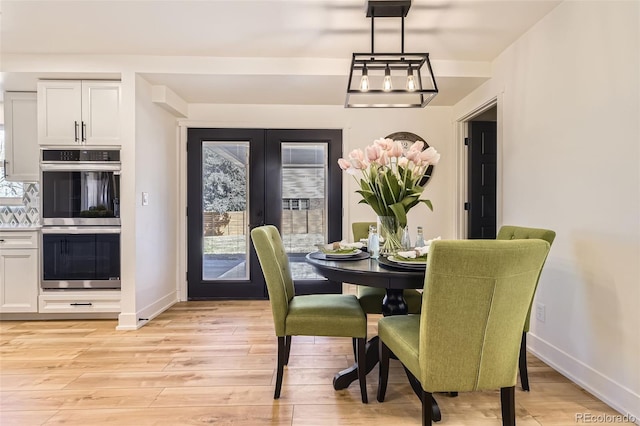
(303, 223)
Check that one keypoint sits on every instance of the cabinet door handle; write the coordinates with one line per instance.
(4, 168)
(75, 123)
(81, 304)
(84, 131)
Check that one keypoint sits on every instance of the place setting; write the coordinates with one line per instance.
(340, 250)
(414, 259)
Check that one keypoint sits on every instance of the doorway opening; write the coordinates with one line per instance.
(479, 173)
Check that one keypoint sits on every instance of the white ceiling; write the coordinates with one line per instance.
(459, 35)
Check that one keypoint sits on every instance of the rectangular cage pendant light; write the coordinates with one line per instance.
(390, 80)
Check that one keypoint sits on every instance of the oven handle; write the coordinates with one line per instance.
(80, 229)
(86, 166)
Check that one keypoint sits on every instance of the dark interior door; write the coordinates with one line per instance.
(481, 206)
(242, 178)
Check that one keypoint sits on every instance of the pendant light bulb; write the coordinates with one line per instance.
(364, 81)
(411, 81)
(386, 83)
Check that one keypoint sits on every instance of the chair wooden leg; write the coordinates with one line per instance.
(383, 370)
(436, 415)
(508, 402)
(524, 375)
(282, 358)
(361, 359)
(427, 408)
(354, 343)
(288, 349)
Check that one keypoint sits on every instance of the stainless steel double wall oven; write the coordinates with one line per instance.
(81, 218)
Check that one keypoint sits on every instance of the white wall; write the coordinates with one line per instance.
(156, 224)
(571, 162)
(360, 128)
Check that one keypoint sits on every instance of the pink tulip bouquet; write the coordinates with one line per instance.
(390, 177)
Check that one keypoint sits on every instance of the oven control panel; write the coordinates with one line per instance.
(73, 155)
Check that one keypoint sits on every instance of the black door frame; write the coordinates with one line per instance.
(333, 139)
(267, 203)
(195, 138)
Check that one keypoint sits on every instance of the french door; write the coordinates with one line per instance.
(238, 179)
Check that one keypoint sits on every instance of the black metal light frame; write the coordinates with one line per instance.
(401, 63)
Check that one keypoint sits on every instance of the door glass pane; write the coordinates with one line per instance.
(225, 192)
(304, 203)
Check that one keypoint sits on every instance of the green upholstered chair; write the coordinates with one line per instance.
(370, 298)
(509, 232)
(467, 337)
(338, 315)
(361, 230)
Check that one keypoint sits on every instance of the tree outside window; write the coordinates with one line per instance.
(224, 186)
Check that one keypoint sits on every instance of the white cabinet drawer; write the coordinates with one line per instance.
(79, 302)
(18, 240)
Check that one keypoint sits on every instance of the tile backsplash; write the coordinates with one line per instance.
(28, 214)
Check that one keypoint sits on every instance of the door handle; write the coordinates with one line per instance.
(84, 131)
(75, 123)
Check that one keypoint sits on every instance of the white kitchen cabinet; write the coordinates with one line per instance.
(21, 136)
(79, 302)
(78, 113)
(18, 271)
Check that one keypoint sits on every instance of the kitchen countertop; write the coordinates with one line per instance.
(20, 227)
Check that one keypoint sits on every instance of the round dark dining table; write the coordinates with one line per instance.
(380, 273)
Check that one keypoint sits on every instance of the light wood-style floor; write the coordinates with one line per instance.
(214, 363)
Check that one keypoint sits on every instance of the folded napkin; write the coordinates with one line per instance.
(428, 242)
(418, 251)
(341, 245)
(407, 254)
(357, 245)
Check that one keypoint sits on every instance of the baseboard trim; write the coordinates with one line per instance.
(128, 322)
(617, 396)
(146, 314)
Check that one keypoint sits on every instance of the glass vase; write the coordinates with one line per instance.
(389, 228)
